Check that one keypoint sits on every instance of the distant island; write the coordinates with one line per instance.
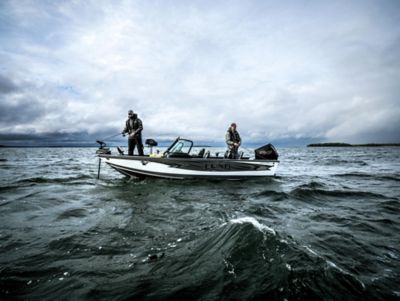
(340, 144)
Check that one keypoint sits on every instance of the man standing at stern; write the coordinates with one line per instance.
(233, 141)
(134, 127)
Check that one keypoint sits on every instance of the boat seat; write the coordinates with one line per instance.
(201, 153)
(243, 157)
(206, 154)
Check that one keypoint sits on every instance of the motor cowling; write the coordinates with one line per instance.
(266, 152)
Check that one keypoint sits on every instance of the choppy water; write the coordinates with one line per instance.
(327, 227)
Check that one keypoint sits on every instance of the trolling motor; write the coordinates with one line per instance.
(103, 149)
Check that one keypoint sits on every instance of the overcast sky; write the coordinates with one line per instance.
(324, 70)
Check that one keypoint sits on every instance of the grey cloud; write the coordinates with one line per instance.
(49, 139)
(20, 111)
(7, 85)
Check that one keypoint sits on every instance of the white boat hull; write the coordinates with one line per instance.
(173, 168)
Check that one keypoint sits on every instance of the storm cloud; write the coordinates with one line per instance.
(315, 70)
(7, 86)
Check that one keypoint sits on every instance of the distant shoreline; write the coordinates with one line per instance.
(338, 144)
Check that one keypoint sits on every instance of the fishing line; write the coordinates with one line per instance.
(112, 136)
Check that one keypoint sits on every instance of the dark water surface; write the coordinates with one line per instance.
(327, 227)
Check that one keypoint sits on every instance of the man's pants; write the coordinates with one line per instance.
(132, 143)
(233, 152)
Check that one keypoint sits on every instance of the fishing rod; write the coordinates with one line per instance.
(112, 136)
(102, 144)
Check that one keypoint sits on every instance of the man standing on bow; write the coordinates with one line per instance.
(233, 141)
(134, 127)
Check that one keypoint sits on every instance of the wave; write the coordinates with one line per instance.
(254, 222)
(303, 192)
(242, 259)
(71, 180)
(386, 177)
(71, 213)
(338, 162)
(316, 191)
(271, 194)
(391, 206)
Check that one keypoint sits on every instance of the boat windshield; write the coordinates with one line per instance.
(181, 146)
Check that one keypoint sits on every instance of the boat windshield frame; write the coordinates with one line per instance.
(180, 145)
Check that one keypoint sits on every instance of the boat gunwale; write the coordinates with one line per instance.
(160, 159)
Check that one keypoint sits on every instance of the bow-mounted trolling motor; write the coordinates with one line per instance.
(103, 149)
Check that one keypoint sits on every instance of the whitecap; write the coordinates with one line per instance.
(311, 250)
(335, 266)
(254, 222)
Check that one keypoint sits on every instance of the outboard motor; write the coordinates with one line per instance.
(266, 152)
(150, 143)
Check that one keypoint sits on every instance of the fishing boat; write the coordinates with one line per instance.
(179, 162)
